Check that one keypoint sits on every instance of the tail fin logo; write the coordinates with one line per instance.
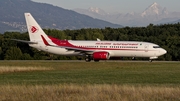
(34, 29)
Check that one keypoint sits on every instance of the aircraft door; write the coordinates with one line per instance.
(146, 47)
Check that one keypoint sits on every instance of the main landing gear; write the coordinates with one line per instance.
(88, 58)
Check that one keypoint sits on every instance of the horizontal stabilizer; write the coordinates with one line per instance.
(24, 41)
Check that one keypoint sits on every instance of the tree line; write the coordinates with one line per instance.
(167, 36)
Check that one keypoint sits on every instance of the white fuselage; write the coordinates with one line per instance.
(114, 48)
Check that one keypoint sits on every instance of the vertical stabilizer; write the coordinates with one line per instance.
(34, 30)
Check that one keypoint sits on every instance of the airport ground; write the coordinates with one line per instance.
(82, 81)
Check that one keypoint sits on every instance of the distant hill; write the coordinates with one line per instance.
(48, 16)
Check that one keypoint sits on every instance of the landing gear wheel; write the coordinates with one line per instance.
(150, 60)
(88, 59)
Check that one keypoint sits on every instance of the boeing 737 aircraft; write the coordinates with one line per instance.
(91, 50)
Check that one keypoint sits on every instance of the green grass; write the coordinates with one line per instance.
(81, 81)
(120, 73)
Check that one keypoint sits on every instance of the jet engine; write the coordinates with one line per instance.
(100, 56)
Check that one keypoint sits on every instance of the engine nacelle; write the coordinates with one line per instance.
(101, 56)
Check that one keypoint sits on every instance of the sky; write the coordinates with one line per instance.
(122, 6)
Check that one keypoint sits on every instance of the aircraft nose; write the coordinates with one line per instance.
(163, 51)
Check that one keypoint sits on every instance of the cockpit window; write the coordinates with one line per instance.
(156, 47)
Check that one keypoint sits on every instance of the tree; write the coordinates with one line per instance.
(1, 54)
(13, 53)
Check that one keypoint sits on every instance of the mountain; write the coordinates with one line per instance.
(92, 10)
(154, 14)
(48, 16)
(97, 10)
(154, 10)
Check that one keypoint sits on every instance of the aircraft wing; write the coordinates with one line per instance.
(75, 49)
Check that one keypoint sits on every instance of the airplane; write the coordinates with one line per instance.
(92, 50)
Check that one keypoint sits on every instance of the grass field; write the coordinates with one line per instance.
(81, 81)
